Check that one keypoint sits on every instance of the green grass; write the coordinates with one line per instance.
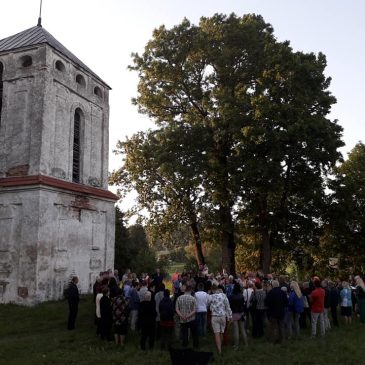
(38, 336)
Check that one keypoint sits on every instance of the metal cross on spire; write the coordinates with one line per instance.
(40, 15)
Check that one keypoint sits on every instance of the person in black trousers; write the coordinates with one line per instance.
(147, 321)
(334, 296)
(106, 315)
(276, 301)
(73, 302)
(167, 311)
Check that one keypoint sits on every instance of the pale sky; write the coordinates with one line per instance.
(104, 33)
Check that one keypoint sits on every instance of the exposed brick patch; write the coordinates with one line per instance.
(81, 202)
(23, 291)
(21, 170)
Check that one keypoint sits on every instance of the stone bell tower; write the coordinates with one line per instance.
(56, 214)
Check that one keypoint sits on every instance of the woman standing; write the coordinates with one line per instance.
(120, 309)
(258, 304)
(167, 311)
(346, 302)
(360, 291)
(106, 316)
(147, 321)
(237, 304)
(296, 306)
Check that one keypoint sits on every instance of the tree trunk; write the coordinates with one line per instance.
(228, 243)
(265, 252)
(198, 243)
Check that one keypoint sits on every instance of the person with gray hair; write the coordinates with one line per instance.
(185, 308)
(147, 321)
(221, 311)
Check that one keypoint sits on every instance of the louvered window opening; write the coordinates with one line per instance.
(76, 149)
(1, 88)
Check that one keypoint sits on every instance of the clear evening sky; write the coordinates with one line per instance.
(104, 33)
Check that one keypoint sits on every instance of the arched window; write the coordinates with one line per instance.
(80, 80)
(26, 61)
(76, 156)
(1, 88)
(98, 92)
(60, 66)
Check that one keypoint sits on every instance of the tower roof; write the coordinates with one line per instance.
(38, 35)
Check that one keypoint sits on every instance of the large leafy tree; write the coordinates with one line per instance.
(289, 146)
(345, 225)
(259, 110)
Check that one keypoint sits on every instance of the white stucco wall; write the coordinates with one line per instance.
(48, 233)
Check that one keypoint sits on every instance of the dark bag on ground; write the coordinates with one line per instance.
(189, 357)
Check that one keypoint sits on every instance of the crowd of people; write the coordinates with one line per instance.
(253, 304)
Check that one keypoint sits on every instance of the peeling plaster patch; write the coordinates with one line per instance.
(21, 170)
(6, 267)
(31, 252)
(95, 264)
(59, 173)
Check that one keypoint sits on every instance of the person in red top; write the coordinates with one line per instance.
(317, 308)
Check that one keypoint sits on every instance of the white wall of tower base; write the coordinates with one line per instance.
(49, 234)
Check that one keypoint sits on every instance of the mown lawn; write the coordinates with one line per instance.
(38, 336)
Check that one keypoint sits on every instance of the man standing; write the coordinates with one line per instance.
(276, 301)
(317, 308)
(202, 301)
(185, 309)
(157, 278)
(334, 300)
(221, 311)
(73, 302)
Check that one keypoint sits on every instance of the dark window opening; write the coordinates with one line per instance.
(76, 147)
(60, 66)
(26, 61)
(98, 92)
(80, 80)
(1, 88)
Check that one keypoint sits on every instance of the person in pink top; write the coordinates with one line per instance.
(317, 308)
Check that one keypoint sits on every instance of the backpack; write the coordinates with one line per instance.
(253, 301)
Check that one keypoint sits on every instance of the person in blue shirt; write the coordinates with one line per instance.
(296, 306)
(346, 302)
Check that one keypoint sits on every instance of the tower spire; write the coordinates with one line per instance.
(40, 15)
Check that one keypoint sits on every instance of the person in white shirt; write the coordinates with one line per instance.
(202, 303)
(247, 297)
(97, 312)
(142, 291)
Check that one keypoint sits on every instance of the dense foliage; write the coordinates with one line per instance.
(132, 250)
(242, 143)
(344, 235)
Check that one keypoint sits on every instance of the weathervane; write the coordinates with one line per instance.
(40, 15)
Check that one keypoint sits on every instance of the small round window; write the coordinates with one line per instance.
(81, 80)
(98, 92)
(26, 61)
(60, 66)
